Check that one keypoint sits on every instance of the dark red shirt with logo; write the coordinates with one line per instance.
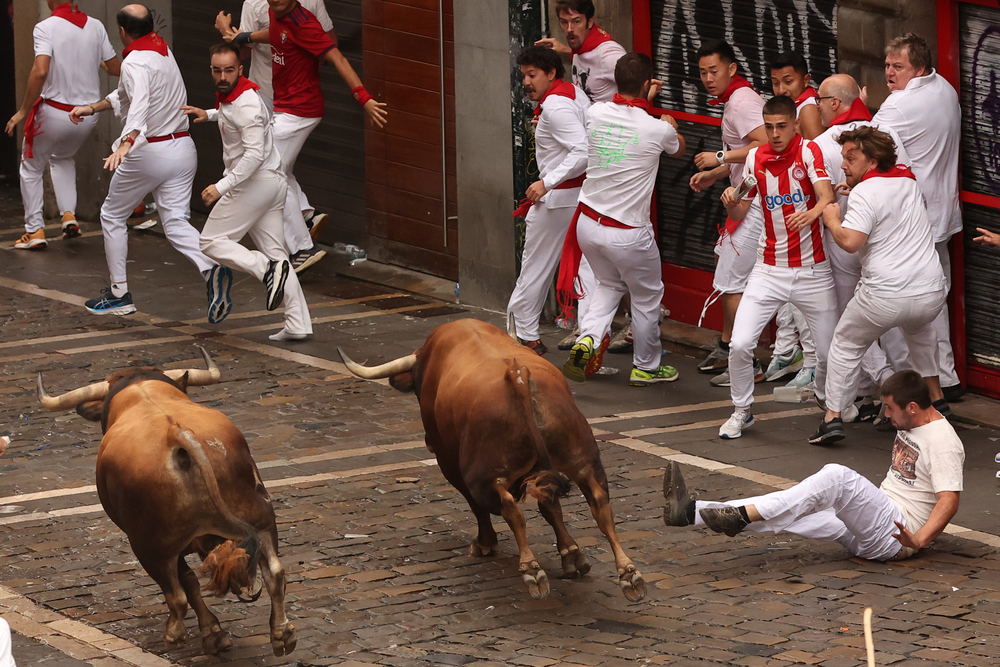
(298, 44)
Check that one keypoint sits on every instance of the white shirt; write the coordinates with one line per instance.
(77, 54)
(925, 460)
(928, 119)
(833, 156)
(254, 17)
(247, 146)
(561, 146)
(623, 153)
(594, 71)
(741, 115)
(150, 94)
(898, 259)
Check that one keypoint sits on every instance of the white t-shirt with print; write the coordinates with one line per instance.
(925, 460)
(77, 54)
(594, 71)
(623, 153)
(898, 259)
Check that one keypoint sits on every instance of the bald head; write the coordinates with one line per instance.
(842, 90)
(135, 21)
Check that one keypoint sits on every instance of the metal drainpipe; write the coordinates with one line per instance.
(444, 142)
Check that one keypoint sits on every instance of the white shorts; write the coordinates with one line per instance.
(734, 267)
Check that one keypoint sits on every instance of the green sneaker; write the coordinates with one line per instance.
(575, 368)
(641, 378)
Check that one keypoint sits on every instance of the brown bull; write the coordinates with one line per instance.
(178, 478)
(502, 423)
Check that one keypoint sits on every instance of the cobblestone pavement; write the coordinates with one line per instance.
(374, 539)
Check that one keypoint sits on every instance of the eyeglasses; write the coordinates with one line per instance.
(828, 97)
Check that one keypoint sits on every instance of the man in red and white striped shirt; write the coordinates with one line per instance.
(792, 267)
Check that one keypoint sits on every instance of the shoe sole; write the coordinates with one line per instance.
(674, 493)
(317, 229)
(740, 434)
(720, 384)
(275, 298)
(309, 262)
(784, 372)
(120, 310)
(221, 303)
(646, 383)
(717, 368)
(575, 368)
(828, 438)
(32, 245)
(70, 231)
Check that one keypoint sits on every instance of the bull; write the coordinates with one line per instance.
(503, 425)
(178, 478)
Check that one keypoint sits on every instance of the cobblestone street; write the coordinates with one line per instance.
(374, 539)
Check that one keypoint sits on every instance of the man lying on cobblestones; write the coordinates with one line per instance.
(906, 513)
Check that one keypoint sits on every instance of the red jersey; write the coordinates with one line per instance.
(298, 42)
(785, 186)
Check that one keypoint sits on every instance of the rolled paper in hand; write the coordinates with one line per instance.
(744, 188)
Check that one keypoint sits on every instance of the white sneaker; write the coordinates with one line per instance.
(733, 428)
(850, 414)
(569, 341)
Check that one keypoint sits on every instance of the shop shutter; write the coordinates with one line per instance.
(758, 31)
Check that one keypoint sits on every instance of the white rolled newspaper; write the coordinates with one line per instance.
(744, 188)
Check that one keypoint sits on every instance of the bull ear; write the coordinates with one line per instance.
(90, 410)
(183, 382)
(403, 382)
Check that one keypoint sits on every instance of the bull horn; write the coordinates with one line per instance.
(196, 377)
(388, 369)
(71, 399)
(511, 327)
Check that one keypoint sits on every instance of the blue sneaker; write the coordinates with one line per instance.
(220, 280)
(109, 304)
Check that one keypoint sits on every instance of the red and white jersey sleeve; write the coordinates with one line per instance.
(782, 194)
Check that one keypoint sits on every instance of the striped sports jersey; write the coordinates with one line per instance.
(785, 185)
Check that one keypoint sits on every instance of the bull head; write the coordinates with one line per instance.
(99, 390)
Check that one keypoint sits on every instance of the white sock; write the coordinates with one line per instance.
(118, 289)
(284, 334)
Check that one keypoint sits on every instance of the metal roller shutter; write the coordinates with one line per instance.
(758, 31)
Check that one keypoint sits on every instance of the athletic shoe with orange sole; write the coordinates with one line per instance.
(32, 241)
(70, 227)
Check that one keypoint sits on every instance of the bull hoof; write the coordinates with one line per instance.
(574, 563)
(216, 641)
(283, 641)
(479, 551)
(175, 639)
(251, 593)
(535, 579)
(632, 585)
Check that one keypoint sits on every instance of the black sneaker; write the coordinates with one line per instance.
(109, 304)
(303, 259)
(220, 280)
(881, 422)
(274, 281)
(941, 405)
(724, 520)
(828, 432)
(953, 393)
(536, 346)
(679, 506)
(867, 410)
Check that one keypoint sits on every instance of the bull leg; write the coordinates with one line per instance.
(213, 637)
(629, 578)
(574, 563)
(486, 542)
(282, 632)
(164, 573)
(533, 576)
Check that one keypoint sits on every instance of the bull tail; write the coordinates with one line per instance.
(233, 564)
(543, 484)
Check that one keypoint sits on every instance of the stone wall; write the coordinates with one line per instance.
(864, 28)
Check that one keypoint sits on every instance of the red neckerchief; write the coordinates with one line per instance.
(594, 38)
(640, 103)
(243, 85)
(858, 111)
(558, 87)
(808, 93)
(150, 42)
(779, 162)
(71, 13)
(899, 171)
(734, 85)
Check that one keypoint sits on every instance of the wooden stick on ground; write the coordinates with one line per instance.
(869, 644)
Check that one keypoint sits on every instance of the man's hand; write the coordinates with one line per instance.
(197, 115)
(906, 538)
(224, 24)
(702, 181)
(706, 160)
(729, 197)
(210, 195)
(79, 113)
(376, 113)
(555, 45)
(115, 159)
(842, 189)
(986, 236)
(654, 89)
(14, 121)
(831, 214)
(535, 191)
(670, 119)
(800, 219)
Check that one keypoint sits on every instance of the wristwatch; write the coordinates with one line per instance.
(721, 157)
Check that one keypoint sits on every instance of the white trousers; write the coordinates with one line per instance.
(290, 133)
(895, 345)
(835, 505)
(624, 260)
(864, 320)
(810, 289)
(166, 169)
(792, 330)
(543, 243)
(55, 145)
(255, 207)
(6, 653)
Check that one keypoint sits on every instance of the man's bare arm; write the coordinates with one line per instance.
(373, 109)
(943, 512)
(39, 72)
